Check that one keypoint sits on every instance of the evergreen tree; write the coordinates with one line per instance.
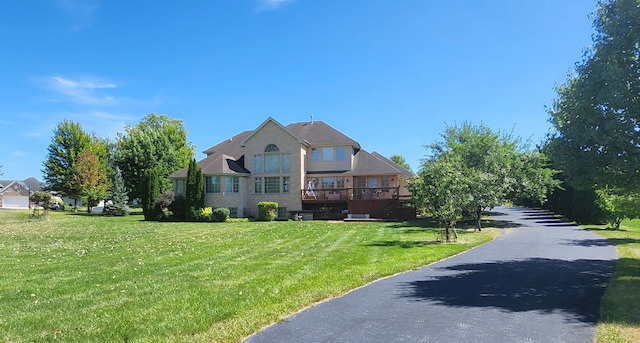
(118, 196)
(194, 193)
(151, 190)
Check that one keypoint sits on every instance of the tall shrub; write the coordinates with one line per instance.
(151, 188)
(194, 197)
(267, 210)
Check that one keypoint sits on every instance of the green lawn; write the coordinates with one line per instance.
(80, 278)
(620, 320)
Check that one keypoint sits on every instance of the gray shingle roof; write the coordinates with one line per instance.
(318, 133)
(227, 157)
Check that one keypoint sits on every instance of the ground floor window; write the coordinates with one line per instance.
(212, 184)
(233, 212)
(283, 213)
(272, 184)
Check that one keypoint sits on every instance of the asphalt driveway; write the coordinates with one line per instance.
(541, 280)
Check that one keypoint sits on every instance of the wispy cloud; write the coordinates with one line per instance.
(273, 4)
(89, 92)
(81, 11)
(18, 153)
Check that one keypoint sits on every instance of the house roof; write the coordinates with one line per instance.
(404, 171)
(230, 146)
(365, 163)
(32, 184)
(216, 164)
(227, 157)
(318, 133)
(271, 120)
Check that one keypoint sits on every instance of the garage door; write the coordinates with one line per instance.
(13, 202)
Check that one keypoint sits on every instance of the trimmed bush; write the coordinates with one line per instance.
(267, 210)
(220, 214)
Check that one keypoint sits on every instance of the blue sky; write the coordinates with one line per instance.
(389, 74)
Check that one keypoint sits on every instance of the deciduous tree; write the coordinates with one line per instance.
(67, 142)
(475, 168)
(596, 113)
(157, 142)
(399, 160)
(90, 178)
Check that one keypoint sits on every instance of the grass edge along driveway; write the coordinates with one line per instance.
(80, 278)
(620, 311)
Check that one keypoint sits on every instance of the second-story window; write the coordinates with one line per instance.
(340, 153)
(328, 154)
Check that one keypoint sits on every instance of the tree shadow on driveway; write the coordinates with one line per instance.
(536, 284)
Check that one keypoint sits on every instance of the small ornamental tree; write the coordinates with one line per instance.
(164, 201)
(618, 206)
(151, 188)
(41, 200)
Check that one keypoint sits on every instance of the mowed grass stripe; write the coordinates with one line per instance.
(620, 312)
(78, 278)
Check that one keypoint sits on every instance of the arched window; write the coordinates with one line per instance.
(271, 148)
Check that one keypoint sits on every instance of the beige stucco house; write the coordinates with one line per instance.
(307, 168)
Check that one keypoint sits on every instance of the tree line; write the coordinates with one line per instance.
(83, 165)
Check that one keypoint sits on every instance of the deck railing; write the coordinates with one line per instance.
(338, 195)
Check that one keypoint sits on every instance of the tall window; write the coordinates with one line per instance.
(340, 182)
(212, 184)
(272, 159)
(272, 163)
(359, 182)
(277, 166)
(257, 184)
(232, 184)
(314, 155)
(257, 164)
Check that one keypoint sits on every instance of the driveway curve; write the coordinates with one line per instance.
(541, 280)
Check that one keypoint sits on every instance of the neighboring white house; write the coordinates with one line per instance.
(304, 167)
